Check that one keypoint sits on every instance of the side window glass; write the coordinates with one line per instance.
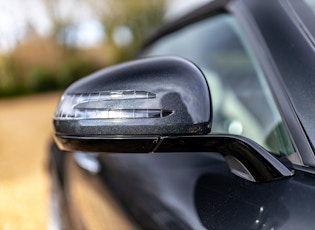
(242, 101)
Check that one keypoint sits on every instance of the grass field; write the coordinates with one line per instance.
(26, 129)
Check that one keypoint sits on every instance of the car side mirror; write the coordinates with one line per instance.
(159, 104)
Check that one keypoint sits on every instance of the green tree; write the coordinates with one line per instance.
(140, 17)
(40, 63)
(137, 17)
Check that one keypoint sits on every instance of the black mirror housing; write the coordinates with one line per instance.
(152, 105)
(153, 96)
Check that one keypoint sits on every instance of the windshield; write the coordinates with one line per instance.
(242, 101)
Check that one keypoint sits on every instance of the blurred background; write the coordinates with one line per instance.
(45, 45)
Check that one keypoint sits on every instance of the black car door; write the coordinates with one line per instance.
(197, 190)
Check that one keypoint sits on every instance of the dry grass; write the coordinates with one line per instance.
(26, 129)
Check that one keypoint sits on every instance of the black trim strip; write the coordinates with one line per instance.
(276, 84)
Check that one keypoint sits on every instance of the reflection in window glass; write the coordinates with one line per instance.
(242, 102)
(311, 3)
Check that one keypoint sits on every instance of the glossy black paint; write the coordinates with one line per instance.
(276, 84)
(285, 204)
(176, 87)
(198, 191)
(109, 144)
(245, 158)
(291, 57)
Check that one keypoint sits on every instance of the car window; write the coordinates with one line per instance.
(242, 101)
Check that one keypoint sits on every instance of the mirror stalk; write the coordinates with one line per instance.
(245, 158)
(153, 105)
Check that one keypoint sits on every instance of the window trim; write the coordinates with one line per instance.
(304, 154)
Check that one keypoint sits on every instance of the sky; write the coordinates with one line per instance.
(16, 15)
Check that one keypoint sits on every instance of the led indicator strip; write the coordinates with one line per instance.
(91, 106)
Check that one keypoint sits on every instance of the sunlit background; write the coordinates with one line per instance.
(47, 44)
(44, 46)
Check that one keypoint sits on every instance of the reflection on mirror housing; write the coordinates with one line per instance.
(161, 96)
(160, 104)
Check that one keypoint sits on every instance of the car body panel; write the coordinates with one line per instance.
(188, 191)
